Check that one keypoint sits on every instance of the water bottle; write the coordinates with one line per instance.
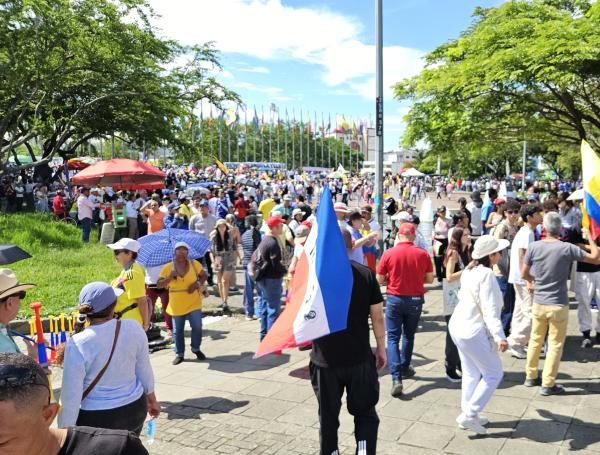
(150, 431)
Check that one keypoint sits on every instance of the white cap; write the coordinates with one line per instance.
(126, 244)
(402, 216)
(181, 245)
(487, 244)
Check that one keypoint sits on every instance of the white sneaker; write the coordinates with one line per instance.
(470, 423)
(483, 420)
(517, 352)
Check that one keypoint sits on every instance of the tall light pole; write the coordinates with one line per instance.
(379, 116)
(524, 170)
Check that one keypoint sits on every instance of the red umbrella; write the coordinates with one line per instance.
(121, 174)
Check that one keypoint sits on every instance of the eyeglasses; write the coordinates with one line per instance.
(21, 295)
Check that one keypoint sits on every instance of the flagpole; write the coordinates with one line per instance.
(315, 136)
(329, 143)
(294, 139)
(300, 139)
(284, 138)
(201, 136)
(229, 143)
(246, 134)
(220, 120)
(322, 138)
(262, 136)
(378, 190)
(237, 134)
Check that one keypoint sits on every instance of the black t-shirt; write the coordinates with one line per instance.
(351, 346)
(576, 238)
(99, 441)
(271, 253)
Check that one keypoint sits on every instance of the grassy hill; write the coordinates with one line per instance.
(61, 264)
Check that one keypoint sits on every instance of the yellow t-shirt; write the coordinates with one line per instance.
(180, 301)
(185, 210)
(131, 280)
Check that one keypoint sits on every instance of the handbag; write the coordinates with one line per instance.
(103, 370)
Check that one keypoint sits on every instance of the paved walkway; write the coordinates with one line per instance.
(233, 404)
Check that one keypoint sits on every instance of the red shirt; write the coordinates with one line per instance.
(242, 208)
(405, 267)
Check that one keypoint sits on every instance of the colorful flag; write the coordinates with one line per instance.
(319, 293)
(590, 165)
(230, 117)
(221, 166)
(354, 129)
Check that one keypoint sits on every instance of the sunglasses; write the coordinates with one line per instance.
(512, 212)
(21, 295)
(117, 252)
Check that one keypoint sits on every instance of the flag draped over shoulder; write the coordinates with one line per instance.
(590, 165)
(320, 289)
(221, 166)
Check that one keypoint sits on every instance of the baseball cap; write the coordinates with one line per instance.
(532, 197)
(297, 212)
(407, 229)
(274, 221)
(173, 205)
(402, 216)
(181, 245)
(499, 201)
(126, 244)
(203, 203)
(287, 197)
(99, 295)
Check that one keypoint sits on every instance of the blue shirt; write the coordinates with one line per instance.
(487, 208)
(7, 344)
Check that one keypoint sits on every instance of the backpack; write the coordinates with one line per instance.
(257, 266)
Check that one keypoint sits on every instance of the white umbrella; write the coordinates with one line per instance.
(576, 195)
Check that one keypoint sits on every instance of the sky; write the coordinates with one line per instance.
(317, 56)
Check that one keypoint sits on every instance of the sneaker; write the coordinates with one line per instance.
(586, 343)
(556, 389)
(408, 372)
(396, 388)
(177, 360)
(254, 318)
(224, 306)
(532, 382)
(483, 420)
(249, 318)
(517, 352)
(470, 423)
(453, 376)
(200, 355)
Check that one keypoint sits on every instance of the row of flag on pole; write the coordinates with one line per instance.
(231, 118)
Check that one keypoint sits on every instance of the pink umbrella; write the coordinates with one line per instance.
(121, 174)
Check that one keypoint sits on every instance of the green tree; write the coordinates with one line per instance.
(525, 69)
(74, 71)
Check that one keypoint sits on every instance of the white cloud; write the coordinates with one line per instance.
(255, 69)
(258, 88)
(267, 29)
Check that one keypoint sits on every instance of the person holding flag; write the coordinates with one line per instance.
(344, 360)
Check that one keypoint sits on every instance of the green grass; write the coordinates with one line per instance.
(61, 264)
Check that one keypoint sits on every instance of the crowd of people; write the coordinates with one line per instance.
(503, 262)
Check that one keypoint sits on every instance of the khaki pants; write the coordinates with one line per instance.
(553, 320)
(520, 327)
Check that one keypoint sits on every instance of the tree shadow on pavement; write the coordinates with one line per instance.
(193, 408)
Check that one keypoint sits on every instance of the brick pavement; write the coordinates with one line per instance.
(233, 404)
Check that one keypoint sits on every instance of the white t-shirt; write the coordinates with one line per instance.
(476, 223)
(522, 240)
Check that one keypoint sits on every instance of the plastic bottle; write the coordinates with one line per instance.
(150, 428)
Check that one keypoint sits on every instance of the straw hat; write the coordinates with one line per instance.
(9, 285)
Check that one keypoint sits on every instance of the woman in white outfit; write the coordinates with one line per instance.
(477, 331)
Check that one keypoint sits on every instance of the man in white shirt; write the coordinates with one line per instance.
(475, 208)
(204, 223)
(520, 329)
(85, 213)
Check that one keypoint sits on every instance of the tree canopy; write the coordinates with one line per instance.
(527, 69)
(73, 71)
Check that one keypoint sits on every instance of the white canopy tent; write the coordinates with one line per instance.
(412, 172)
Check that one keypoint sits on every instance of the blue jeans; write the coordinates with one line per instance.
(402, 316)
(249, 295)
(508, 295)
(269, 302)
(86, 228)
(195, 320)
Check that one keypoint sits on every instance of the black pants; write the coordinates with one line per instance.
(439, 260)
(130, 417)
(209, 270)
(362, 394)
(452, 356)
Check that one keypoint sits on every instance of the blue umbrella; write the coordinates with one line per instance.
(157, 248)
(202, 185)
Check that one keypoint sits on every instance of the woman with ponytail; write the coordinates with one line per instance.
(107, 379)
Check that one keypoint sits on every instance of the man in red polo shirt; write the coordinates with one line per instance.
(405, 268)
